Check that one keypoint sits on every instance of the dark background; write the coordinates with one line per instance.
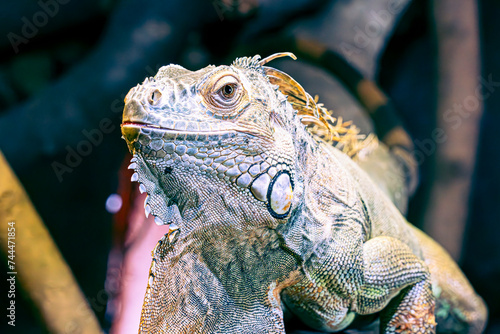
(75, 69)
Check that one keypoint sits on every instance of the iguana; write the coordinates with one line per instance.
(271, 217)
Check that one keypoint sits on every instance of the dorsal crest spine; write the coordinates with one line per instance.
(252, 63)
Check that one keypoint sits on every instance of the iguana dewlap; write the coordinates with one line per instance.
(269, 216)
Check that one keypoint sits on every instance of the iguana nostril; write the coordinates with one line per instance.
(155, 97)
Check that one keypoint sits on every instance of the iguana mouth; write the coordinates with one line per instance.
(133, 130)
(140, 124)
(157, 127)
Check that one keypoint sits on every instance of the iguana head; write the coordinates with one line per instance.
(224, 140)
(218, 139)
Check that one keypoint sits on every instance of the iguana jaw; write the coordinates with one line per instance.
(162, 157)
(131, 131)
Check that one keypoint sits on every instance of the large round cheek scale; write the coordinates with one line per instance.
(280, 195)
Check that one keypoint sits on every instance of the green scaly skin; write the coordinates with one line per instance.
(264, 217)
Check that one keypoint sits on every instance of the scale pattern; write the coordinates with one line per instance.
(268, 210)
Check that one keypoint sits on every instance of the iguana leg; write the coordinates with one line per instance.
(458, 308)
(392, 271)
(363, 279)
(389, 268)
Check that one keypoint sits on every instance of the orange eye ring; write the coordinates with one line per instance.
(224, 95)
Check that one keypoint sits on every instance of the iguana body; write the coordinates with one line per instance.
(268, 217)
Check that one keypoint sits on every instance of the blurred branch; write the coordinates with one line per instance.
(459, 111)
(41, 269)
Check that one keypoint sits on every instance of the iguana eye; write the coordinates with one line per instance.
(224, 95)
(226, 91)
(227, 95)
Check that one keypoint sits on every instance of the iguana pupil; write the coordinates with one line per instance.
(228, 91)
